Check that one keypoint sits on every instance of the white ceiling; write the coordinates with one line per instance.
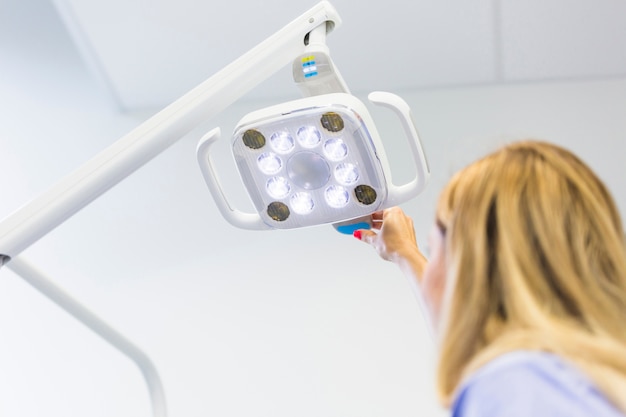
(148, 53)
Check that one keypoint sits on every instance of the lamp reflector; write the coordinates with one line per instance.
(308, 170)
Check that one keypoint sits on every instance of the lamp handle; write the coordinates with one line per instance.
(251, 221)
(401, 193)
(397, 193)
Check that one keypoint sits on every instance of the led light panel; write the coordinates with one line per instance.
(306, 166)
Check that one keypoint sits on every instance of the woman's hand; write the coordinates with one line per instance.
(392, 235)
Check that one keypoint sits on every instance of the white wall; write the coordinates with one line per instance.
(239, 323)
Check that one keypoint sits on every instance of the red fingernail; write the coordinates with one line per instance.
(357, 234)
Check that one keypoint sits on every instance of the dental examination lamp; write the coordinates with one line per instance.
(316, 160)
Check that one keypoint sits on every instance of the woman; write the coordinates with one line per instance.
(525, 286)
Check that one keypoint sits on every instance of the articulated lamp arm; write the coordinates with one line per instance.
(37, 218)
(60, 202)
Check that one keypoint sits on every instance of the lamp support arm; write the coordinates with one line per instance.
(37, 218)
(61, 298)
(61, 201)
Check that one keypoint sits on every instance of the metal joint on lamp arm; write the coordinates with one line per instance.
(314, 71)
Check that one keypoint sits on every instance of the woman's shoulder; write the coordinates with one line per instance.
(528, 383)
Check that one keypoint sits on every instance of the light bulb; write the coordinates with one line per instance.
(337, 196)
(278, 187)
(346, 173)
(335, 149)
(309, 136)
(269, 163)
(302, 203)
(282, 142)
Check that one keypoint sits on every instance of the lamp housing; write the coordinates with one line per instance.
(316, 160)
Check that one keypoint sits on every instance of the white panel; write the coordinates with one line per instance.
(32, 38)
(563, 38)
(153, 52)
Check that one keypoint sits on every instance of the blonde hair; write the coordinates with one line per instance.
(536, 260)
